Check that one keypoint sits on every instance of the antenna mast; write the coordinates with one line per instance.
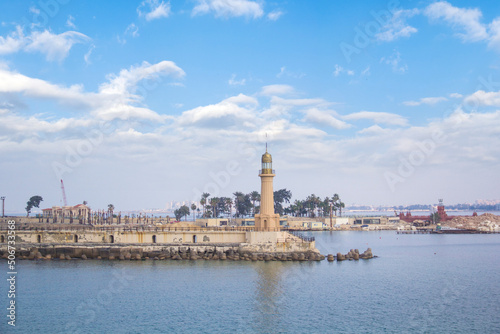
(64, 194)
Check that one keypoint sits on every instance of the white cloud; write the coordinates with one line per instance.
(236, 110)
(86, 57)
(271, 90)
(11, 82)
(378, 117)
(125, 82)
(285, 72)
(484, 98)
(426, 100)
(132, 30)
(339, 69)
(115, 99)
(456, 95)
(13, 42)
(395, 61)
(274, 15)
(154, 9)
(323, 117)
(366, 71)
(55, 47)
(467, 20)
(233, 82)
(229, 8)
(396, 27)
(70, 22)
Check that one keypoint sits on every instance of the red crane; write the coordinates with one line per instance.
(63, 193)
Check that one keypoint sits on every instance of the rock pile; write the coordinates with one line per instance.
(167, 253)
(352, 255)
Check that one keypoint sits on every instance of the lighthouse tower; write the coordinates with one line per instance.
(267, 220)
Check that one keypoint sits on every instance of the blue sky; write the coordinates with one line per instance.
(141, 103)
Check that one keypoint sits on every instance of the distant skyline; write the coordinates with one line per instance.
(147, 102)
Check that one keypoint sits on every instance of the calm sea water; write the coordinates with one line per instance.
(419, 284)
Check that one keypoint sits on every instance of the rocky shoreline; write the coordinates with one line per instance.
(177, 252)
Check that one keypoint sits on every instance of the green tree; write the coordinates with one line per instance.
(111, 208)
(183, 211)
(203, 202)
(214, 202)
(435, 218)
(255, 197)
(281, 196)
(193, 208)
(34, 202)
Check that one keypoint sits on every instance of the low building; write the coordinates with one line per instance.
(206, 222)
(67, 214)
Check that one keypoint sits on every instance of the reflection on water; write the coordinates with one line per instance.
(268, 303)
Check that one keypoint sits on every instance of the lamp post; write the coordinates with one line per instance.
(3, 206)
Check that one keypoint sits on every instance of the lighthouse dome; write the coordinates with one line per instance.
(266, 157)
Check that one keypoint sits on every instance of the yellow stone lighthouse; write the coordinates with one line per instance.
(267, 220)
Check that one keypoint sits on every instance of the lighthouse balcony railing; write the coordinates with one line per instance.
(266, 171)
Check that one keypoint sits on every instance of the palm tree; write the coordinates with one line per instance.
(237, 197)
(254, 196)
(335, 199)
(193, 208)
(229, 204)
(111, 208)
(203, 201)
(214, 201)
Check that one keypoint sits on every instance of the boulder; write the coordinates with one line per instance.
(111, 257)
(68, 257)
(48, 257)
(62, 257)
(84, 257)
(330, 258)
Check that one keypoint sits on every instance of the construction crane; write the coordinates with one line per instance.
(63, 193)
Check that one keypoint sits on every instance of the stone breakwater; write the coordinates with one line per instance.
(352, 255)
(156, 252)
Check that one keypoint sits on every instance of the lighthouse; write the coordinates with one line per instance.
(267, 220)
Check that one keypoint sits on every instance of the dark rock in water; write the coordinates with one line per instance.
(302, 257)
(340, 257)
(295, 257)
(356, 256)
(138, 257)
(121, 257)
(68, 257)
(330, 258)
(84, 257)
